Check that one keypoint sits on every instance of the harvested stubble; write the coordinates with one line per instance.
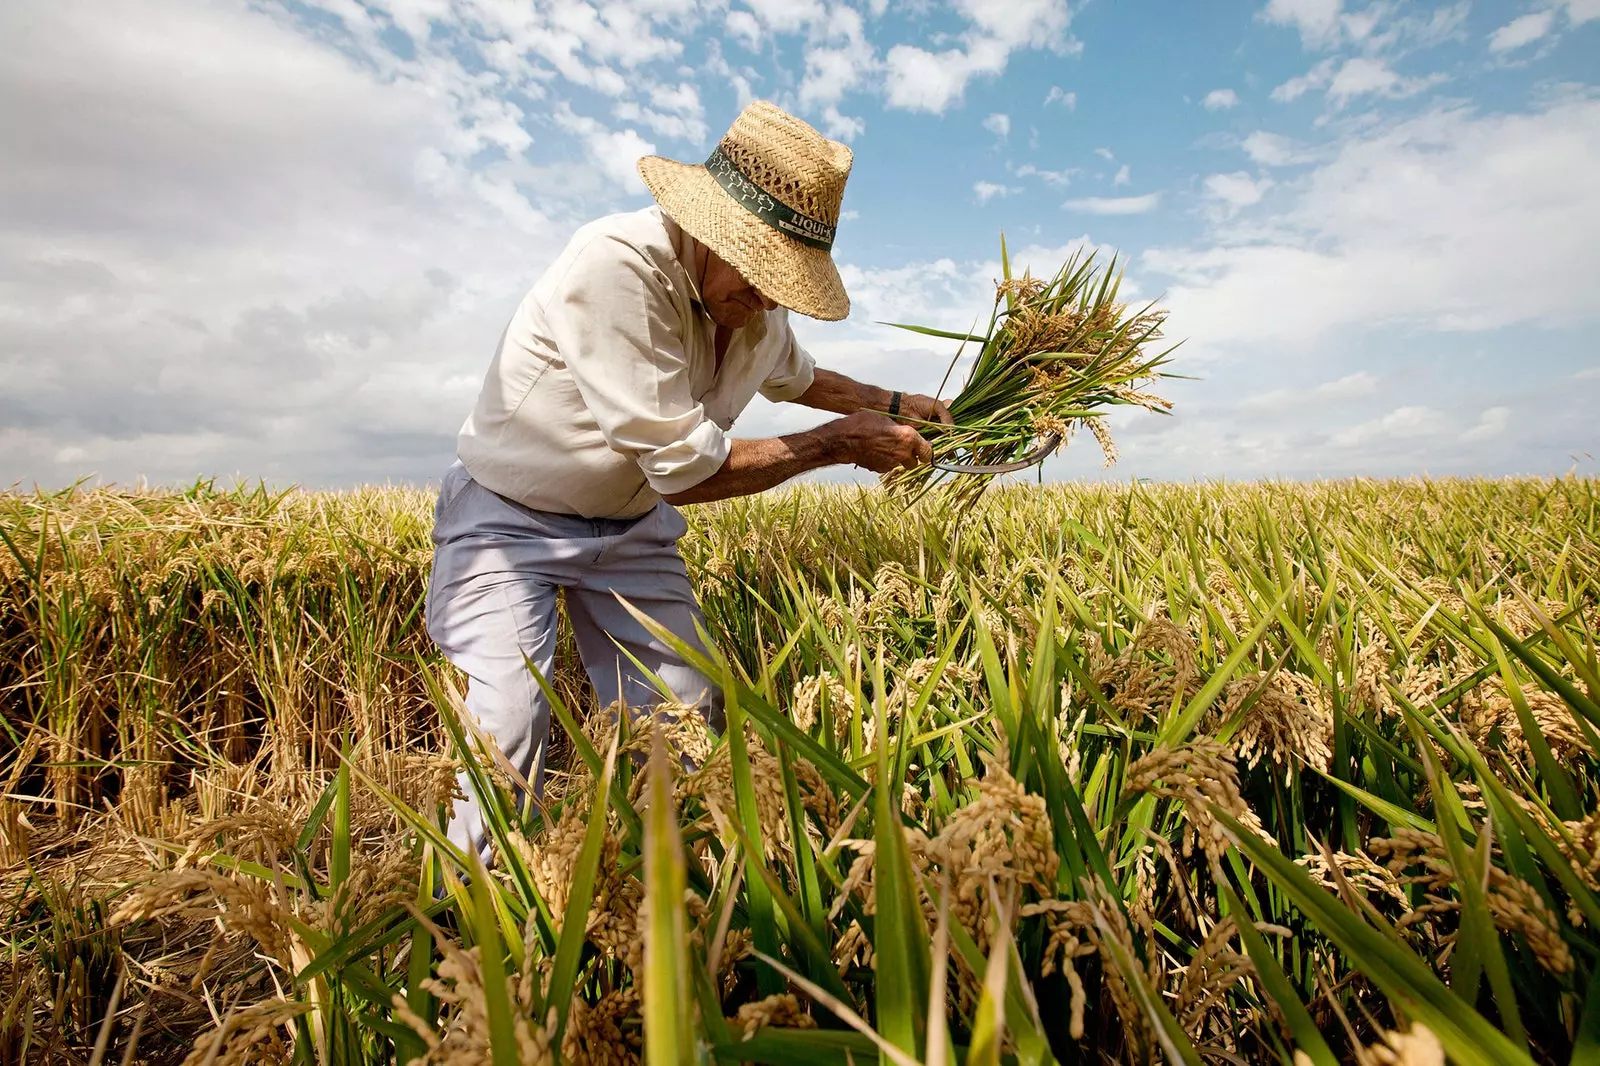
(1274, 772)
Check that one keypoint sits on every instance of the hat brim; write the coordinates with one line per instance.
(788, 272)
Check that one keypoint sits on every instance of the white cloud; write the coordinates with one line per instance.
(1355, 76)
(1316, 78)
(998, 124)
(1361, 383)
(1115, 205)
(614, 152)
(1270, 149)
(1361, 75)
(1317, 20)
(923, 81)
(1105, 153)
(787, 16)
(841, 127)
(1238, 189)
(1123, 177)
(1492, 423)
(1374, 238)
(1291, 402)
(1581, 11)
(1220, 99)
(1522, 31)
(676, 113)
(1409, 422)
(1588, 374)
(920, 80)
(1059, 178)
(745, 28)
(228, 247)
(838, 60)
(1057, 96)
(988, 190)
(1380, 27)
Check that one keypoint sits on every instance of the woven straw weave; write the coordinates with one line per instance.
(790, 161)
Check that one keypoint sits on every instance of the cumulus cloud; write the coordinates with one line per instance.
(1220, 99)
(1374, 237)
(1317, 20)
(1115, 205)
(1124, 176)
(744, 28)
(1521, 31)
(1270, 149)
(1317, 77)
(614, 152)
(1403, 423)
(1295, 402)
(1376, 28)
(1362, 76)
(988, 190)
(1353, 77)
(839, 59)
(1492, 423)
(1057, 95)
(1238, 189)
(230, 247)
(1059, 178)
(998, 124)
(920, 80)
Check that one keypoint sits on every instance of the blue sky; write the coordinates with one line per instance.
(279, 239)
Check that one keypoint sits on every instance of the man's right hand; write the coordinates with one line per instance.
(878, 442)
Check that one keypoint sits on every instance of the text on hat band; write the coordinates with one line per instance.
(768, 208)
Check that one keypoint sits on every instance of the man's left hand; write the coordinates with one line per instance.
(925, 409)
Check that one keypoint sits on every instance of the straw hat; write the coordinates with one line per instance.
(767, 202)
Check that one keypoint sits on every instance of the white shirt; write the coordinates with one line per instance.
(605, 394)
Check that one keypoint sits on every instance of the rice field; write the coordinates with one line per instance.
(1219, 773)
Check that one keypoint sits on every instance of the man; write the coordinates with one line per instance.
(606, 408)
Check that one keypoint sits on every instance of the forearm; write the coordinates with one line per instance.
(757, 465)
(832, 391)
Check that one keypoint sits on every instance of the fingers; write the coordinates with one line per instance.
(929, 409)
(916, 450)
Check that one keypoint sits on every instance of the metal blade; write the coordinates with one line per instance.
(1047, 444)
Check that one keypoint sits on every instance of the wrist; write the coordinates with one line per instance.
(823, 446)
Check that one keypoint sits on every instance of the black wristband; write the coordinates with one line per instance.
(894, 405)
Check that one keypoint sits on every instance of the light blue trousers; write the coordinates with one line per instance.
(497, 566)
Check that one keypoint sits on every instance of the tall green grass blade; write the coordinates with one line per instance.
(575, 920)
(668, 1032)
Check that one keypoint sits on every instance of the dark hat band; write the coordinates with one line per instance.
(768, 208)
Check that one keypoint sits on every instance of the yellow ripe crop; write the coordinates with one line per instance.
(1118, 773)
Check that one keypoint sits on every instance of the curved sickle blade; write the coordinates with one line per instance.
(1047, 445)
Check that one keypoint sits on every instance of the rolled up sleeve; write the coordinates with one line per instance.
(793, 368)
(613, 321)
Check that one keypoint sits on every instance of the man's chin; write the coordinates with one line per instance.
(735, 319)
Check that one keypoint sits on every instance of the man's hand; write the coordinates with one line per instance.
(878, 442)
(925, 409)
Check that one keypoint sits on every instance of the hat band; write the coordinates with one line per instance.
(780, 216)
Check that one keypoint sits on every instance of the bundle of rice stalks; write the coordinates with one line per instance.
(1057, 354)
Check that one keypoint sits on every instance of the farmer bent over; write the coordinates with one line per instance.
(607, 407)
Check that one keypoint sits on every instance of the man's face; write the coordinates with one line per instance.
(730, 300)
